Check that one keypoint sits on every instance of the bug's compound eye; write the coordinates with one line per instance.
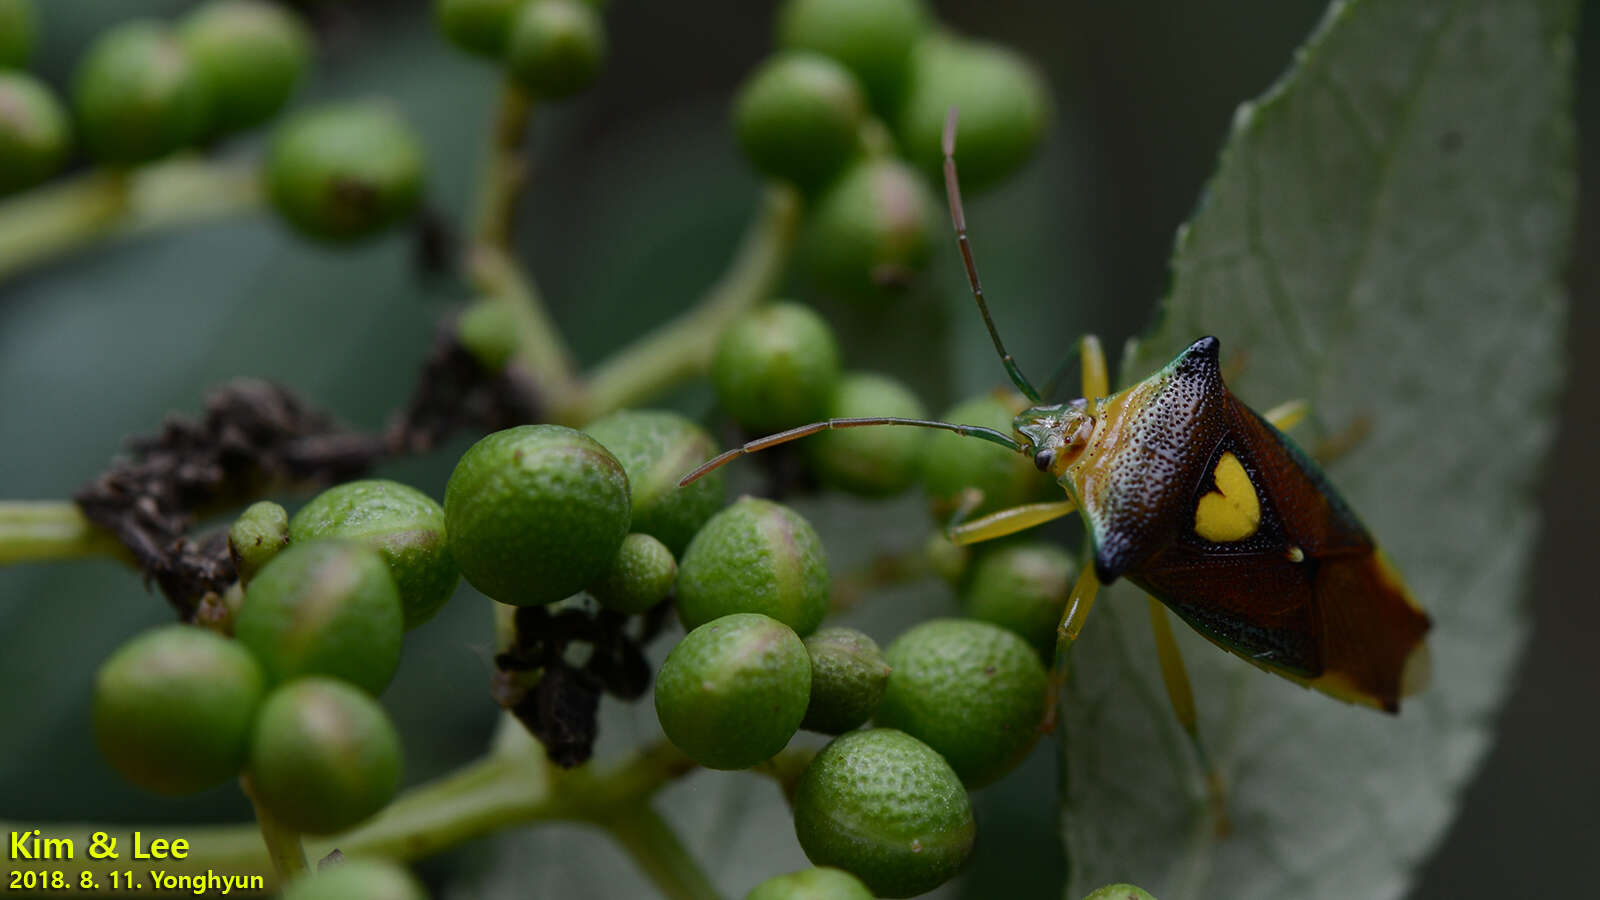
(1043, 459)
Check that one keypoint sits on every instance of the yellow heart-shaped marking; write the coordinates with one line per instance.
(1232, 512)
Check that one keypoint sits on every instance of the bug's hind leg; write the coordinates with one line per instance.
(1287, 415)
(1342, 441)
(1181, 696)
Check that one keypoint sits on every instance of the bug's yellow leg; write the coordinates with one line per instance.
(1008, 521)
(1084, 590)
(1096, 380)
(1181, 695)
(1079, 602)
(1342, 441)
(1288, 414)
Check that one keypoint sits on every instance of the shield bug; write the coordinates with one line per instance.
(1206, 505)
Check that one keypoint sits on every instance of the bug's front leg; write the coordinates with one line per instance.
(1007, 521)
(1096, 377)
(1079, 602)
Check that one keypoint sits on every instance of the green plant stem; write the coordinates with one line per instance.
(492, 268)
(60, 217)
(504, 171)
(498, 791)
(655, 847)
(541, 353)
(37, 531)
(681, 349)
(283, 845)
(786, 769)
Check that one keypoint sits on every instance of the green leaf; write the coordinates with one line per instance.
(1384, 238)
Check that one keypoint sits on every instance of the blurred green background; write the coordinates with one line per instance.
(637, 199)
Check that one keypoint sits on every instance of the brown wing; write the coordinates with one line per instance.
(1307, 595)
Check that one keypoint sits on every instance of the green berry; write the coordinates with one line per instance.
(756, 556)
(811, 884)
(356, 879)
(35, 133)
(557, 48)
(18, 31)
(478, 26)
(1023, 588)
(799, 117)
(536, 513)
(252, 54)
(870, 462)
(1119, 892)
(871, 230)
(640, 576)
(403, 524)
(970, 690)
(260, 532)
(731, 693)
(324, 757)
(947, 559)
(953, 465)
(174, 708)
(488, 329)
(776, 367)
(873, 38)
(1004, 103)
(886, 808)
(138, 96)
(657, 448)
(344, 172)
(848, 674)
(324, 608)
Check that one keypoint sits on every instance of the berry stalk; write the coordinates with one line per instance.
(57, 219)
(499, 791)
(35, 531)
(681, 348)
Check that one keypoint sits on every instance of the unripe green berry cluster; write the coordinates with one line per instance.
(851, 109)
(289, 701)
(554, 49)
(958, 703)
(147, 88)
(538, 513)
(779, 367)
(533, 515)
(180, 709)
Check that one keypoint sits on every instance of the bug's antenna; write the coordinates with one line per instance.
(952, 190)
(784, 437)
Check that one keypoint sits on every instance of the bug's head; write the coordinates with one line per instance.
(1055, 436)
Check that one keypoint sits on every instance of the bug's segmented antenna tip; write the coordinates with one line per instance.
(948, 142)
